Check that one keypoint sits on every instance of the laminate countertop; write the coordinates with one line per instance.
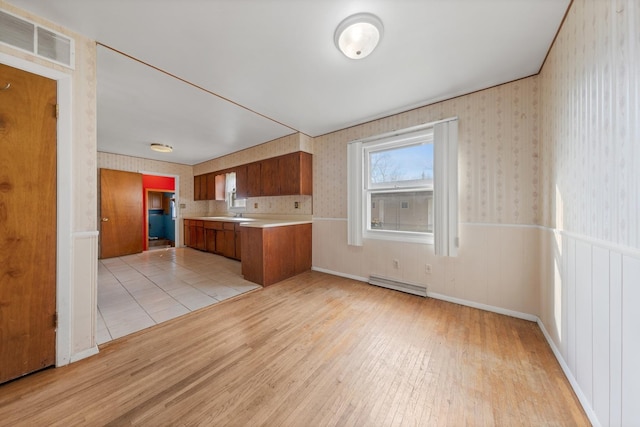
(253, 222)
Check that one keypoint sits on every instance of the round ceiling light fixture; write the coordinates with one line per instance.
(358, 35)
(162, 148)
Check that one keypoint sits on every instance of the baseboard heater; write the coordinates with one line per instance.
(409, 288)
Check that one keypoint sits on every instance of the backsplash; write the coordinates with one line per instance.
(278, 205)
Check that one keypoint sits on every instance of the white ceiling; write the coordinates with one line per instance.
(254, 70)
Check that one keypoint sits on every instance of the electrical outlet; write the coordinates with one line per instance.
(255, 205)
(296, 205)
(427, 268)
(396, 263)
(183, 205)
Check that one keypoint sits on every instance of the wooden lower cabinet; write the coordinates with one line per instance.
(272, 254)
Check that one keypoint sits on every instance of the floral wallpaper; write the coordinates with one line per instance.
(498, 154)
(591, 123)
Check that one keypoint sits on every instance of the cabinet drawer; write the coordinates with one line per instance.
(196, 223)
(228, 225)
(210, 225)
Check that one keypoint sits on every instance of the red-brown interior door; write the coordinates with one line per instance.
(121, 213)
(27, 222)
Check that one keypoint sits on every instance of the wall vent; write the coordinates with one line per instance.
(409, 288)
(40, 41)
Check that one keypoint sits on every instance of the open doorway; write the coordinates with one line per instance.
(160, 213)
(161, 220)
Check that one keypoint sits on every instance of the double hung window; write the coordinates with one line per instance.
(398, 178)
(404, 186)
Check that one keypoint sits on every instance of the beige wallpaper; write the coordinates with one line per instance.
(591, 123)
(498, 154)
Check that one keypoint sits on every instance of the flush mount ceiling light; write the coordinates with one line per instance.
(358, 35)
(162, 148)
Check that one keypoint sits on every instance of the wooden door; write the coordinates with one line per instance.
(121, 213)
(27, 222)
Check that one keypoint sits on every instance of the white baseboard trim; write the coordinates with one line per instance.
(485, 307)
(336, 273)
(84, 354)
(586, 405)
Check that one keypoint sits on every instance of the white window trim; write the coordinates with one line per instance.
(445, 236)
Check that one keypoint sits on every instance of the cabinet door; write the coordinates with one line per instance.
(211, 186)
(187, 233)
(200, 242)
(220, 242)
(253, 179)
(269, 177)
(296, 174)
(229, 244)
(155, 200)
(210, 240)
(196, 188)
(238, 244)
(203, 188)
(241, 182)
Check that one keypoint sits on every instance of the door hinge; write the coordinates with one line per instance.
(55, 319)
(57, 110)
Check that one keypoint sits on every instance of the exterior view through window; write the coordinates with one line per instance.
(400, 186)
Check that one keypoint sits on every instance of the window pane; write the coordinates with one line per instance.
(409, 163)
(402, 211)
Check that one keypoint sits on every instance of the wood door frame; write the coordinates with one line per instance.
(64, 230)
(176, 195)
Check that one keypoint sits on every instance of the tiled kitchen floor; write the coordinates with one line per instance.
(141, 290)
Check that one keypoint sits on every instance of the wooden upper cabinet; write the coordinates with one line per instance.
(286, 175)
(241, 182)
(253, 179)
(270, 177)
(196, 188)
(220, 186)
(155, 200)
(295, 174)
(211, 186)
(203, 188)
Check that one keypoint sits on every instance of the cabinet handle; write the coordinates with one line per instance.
(105, 219)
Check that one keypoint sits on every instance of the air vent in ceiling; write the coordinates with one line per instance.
(33, 38)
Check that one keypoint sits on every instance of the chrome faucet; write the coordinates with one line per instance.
(238, 215)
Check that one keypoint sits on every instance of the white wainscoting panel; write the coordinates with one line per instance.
(601, 305)
(630, 340)
(84, 303)
(599, 345)
(584, 318)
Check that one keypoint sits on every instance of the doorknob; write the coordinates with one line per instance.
(105, 219)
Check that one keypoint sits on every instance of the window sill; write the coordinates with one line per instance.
(399, 236)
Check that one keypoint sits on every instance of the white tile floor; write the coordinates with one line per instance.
(142, 290)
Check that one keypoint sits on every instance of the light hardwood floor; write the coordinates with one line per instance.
(313, 350)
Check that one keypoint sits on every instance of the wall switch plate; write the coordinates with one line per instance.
(396, 263)
(427, 268)
(296, 205)
(255, 206)
(183, 205)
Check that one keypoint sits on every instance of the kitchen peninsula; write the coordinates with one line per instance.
(270, 250)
